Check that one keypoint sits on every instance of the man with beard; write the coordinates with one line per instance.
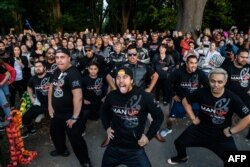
(65, 104)
(212, 128)
(124, 115)
(90, 58)
(50, 61)
(183, 81)
(3, 54)
(37, 89)
(239, 77)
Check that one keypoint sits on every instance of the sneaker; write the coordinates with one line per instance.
(33, 131)
(177, 160)
(39, 118)
(54, 153)
(159, 137)
(165, 103)
(84, 134)
(86, 165)
(165, 132)
(25, 134)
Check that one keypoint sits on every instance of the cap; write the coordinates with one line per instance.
(124, 70)
(87, 47)
(63, 50)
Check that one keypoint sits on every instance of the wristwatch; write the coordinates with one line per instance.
(74, 118)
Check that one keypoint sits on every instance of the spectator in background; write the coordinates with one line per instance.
(185, 43)
(143, 55)
(20, 63)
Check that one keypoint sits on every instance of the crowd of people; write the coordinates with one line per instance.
(123, 79)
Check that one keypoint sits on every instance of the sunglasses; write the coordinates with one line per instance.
(87, 50)
(132, 54)
(51, 53)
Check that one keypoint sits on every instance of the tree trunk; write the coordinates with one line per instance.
(56, 11)
(126, 10)
(190, 14)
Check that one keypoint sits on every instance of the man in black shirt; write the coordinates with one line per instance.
(50, 61)
(65, 103)
(239, 77)
(212, 127)
(124, 115)
(37, 89)
(94, 90)
(183, 81)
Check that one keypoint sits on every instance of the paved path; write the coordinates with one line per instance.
(157, 152)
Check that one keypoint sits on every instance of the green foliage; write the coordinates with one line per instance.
(156, 16)
(144, 15)
(218, 13)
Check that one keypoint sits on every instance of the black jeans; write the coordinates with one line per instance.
(195, 136)
(58, 127)
(114, 156)
(161, 87)
(32, 113)
(16, 86)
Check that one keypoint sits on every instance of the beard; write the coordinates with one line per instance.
(39, 73)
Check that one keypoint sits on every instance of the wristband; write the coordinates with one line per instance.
(229, 130)
(74, 118)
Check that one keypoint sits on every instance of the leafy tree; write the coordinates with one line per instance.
(218, 14)
(12, 15)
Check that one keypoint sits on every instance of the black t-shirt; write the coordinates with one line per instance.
(50, 67)
(184, 83)
(85, 61)
(127, 114)
(94, 89)
(239, 80)
(216, 113)
(62, 97)
(40, 87)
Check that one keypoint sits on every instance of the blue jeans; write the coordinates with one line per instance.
(6, 90)
(177, 110)
(114, 156)
(4, 103)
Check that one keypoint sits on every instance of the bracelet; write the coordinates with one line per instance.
(229, 130)
(73, 118)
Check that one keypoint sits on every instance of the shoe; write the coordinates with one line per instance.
(159, 137)
(25, 134)
(39, 118)
(165, 132)
(84, 134)
(177, 160)
(157, 102)
(105, 142)
(87, 165)
(165, 103)
(33, 131)
(54, 153)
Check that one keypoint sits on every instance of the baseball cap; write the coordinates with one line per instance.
(63, 50)
(124, 70)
